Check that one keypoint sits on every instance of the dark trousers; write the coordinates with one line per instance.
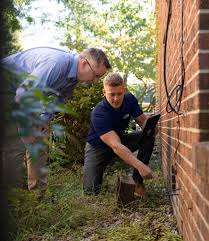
(97, 159)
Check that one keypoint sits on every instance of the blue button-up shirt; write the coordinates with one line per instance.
(49, 67)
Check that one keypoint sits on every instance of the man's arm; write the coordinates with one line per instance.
(141, 120)
(113, 140)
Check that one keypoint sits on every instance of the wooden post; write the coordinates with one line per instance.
(125, 190)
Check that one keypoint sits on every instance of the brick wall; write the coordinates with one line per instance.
(185, 137)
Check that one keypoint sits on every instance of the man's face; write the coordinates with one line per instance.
(89, 71)
(114, 95)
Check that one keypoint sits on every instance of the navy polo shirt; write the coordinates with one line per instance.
(105, 118)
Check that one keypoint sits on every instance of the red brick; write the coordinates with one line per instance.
(201, 160)
(204, 137)
(204, 20)
(203, 4)
(204, 40)
(204, 60)
(204, 80)
(191, 176)
(204, 101)
(201, 224)
(203, 121)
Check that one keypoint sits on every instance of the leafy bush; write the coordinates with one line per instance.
(69, 149)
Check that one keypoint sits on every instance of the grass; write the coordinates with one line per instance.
(66, 214)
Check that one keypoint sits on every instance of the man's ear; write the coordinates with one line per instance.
(83, 62)
(103, 91)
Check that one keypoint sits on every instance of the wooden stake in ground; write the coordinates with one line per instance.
(125, 190)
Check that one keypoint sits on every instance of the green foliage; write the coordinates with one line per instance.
(8, 44)
(127, 36)
(70, 149)
(34, 109)
(10, 26)
(145, 93)
(154, 226)
(22, 8)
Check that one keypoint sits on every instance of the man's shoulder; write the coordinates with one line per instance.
(129, 97)
(101, 110)
(100, 107)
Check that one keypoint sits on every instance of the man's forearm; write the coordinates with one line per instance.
(126, 155)
(113, 140)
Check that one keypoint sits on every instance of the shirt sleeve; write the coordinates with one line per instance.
(136, 109)
(101, 122)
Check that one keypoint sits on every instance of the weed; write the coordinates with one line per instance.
(66, 214)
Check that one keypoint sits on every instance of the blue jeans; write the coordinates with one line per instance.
(97, 159)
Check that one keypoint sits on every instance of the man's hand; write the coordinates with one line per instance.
(145, 171)
(113, 140)
(28, 140)
(141, 121)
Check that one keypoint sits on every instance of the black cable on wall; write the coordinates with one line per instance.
(177, 91)
(174, 97)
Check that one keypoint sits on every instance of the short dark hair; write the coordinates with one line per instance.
(113, 79)
(98, 56)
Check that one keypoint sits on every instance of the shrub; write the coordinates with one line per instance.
(69, 149)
